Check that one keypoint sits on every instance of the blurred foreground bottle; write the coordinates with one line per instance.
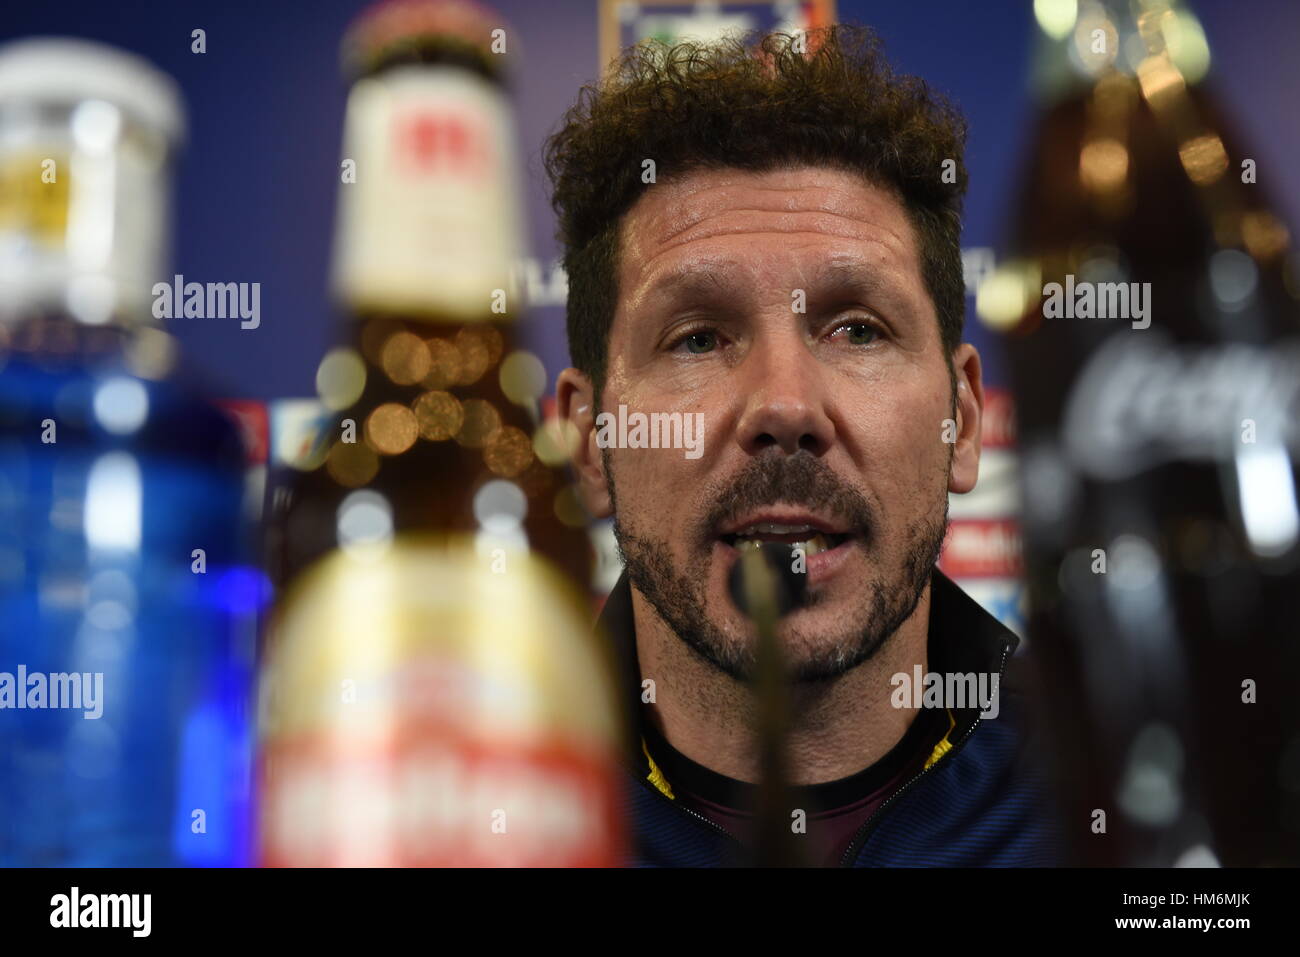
(126, 618)
(432, 692)
(1155, 347)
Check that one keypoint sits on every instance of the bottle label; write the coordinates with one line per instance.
(1140, 402)
(81, 232)
(34, 197)
(428, 705)
(430, 222)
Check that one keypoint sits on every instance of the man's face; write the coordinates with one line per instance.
(789, 308)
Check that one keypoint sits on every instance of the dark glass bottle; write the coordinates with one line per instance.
(435, 555)
(1156, 367)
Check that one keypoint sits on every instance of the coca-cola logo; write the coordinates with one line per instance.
(1142, 401)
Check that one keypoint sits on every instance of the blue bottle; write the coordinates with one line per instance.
(127, 600)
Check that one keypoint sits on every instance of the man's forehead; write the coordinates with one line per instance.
(727, 209)
(698, 279)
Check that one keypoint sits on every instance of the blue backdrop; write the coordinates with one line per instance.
(257, 181)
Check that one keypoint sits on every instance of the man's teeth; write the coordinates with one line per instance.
(813, 545)
(771, 528)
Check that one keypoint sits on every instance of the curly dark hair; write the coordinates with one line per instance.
(756, 102)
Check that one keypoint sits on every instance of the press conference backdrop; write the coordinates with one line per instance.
(258, 177)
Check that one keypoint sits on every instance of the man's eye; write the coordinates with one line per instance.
(860, 333)
(700, 342)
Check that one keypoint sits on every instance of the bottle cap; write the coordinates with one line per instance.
(419, 29)
(59, 70)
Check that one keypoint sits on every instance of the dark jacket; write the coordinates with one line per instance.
(983, 803)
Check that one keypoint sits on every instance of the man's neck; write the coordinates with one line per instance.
(837, 728)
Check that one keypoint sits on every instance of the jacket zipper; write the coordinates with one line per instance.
(860, 839)
(712, 825)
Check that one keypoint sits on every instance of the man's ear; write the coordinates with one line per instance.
(970, 412)
(576, 405)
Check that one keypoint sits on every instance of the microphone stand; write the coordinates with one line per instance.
(765, 586)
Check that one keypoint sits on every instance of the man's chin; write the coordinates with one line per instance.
(809, 637)
(850, 611)
(842, 624)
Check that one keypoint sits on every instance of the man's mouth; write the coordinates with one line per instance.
(826, 544)
(812, 535)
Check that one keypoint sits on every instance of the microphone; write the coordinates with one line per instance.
(766, 586)
(788, 588)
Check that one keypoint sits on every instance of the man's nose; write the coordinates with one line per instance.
(784, 394)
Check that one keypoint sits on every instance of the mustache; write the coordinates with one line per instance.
(799, 479)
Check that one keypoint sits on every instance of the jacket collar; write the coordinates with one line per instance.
(963, 637)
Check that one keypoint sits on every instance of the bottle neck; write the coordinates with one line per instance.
(423, 355)
(430, 221)
(1153, 42)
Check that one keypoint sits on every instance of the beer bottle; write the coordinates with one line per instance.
(433, 694)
